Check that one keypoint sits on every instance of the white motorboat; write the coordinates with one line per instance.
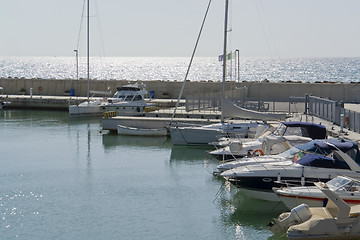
(200, 135)
(87, 108)
(345, 187)
(125, 130)
(286, 135)
(318, 160)
(286, 156)
(337, 220)
(129, 100)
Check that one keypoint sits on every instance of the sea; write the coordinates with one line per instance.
(66, 178)
(249, 69)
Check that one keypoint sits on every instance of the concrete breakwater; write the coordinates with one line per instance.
(254, 91)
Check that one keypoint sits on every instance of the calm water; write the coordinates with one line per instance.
(63, 178)
(170, 69)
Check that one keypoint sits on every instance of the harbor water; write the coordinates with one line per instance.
(65, 178)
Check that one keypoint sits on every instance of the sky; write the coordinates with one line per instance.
(169, 28)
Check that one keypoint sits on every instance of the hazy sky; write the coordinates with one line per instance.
(260, 28)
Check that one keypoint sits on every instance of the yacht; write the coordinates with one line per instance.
(286, 135)
(129, 100)
(318, 160)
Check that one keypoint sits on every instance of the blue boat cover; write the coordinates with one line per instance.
(308, 129)
(318, 153)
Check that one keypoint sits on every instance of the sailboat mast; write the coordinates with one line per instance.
(224, 58)
(88, 48)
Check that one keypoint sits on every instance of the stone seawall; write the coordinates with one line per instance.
(264, 91)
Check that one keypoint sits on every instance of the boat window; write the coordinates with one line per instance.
(298, 131)
(129, 98)
(290, 152)
(137, 98)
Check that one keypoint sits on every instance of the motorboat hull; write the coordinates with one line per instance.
(261, 187)
(203, 135)
(124, 110)
(91, 108)
(124, 130)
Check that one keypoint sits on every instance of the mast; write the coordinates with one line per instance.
(224, 59)
(88, 48)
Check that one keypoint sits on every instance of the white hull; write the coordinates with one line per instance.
(262, 195)
(200, 135)
(348, 189)
(192, 136)
(91, 108)
(124, 130)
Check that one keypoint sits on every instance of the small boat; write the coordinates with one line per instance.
(203, 135)
(346, 187)
(286, 135)
(318, 160)
(337, 220)
(87, 108)
(125, 130)
(3, 103)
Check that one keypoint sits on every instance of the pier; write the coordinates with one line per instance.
(253, 91)
(281, 97)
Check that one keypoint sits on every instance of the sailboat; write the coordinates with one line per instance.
(89, 107)
(195, 135)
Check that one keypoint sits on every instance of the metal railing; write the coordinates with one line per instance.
(212, 101)
(334, 112)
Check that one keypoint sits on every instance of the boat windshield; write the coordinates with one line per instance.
(280, 130)
(344, 184)
(338, 183)
(290, 152)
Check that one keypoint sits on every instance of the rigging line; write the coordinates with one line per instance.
(192, 57)
(262, 26)
(269, 29)
(99, 26)
(81, 23)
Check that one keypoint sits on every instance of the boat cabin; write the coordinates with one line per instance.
(320, 153)
(305, 129)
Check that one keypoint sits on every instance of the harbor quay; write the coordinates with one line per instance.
(254, 91)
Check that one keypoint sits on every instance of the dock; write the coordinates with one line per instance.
(63, 102)
(165, 108)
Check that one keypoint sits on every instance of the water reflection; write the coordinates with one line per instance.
(111, 140)
(190, 153)
(247, 214)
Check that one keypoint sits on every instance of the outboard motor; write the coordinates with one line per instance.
(297, 215)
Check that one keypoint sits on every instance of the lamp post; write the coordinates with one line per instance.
(237, 53)
(77, 64)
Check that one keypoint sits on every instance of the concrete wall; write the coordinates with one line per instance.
(266, 91)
